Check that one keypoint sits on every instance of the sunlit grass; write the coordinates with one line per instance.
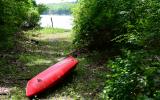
(48, 30)
(31, 60)
(18, 93)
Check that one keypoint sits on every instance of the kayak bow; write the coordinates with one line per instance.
(50, 76)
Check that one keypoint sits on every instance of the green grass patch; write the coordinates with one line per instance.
(48, 30)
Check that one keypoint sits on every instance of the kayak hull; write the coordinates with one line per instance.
(50, 76)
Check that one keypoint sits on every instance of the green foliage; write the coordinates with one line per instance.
(33, 17)
(134, 75)
(12, 15)
(15, 15)
(99, 23)
(139, 25)
(94, 21)
(61, 8)
(133, 27)
(42, 8)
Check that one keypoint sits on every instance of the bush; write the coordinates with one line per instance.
(91, 20)
(134, 75)
(100, 23)
(13, 14)
(33, 17)
(133, 27)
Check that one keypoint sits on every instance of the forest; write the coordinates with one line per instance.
(59, 8)
(117, 43)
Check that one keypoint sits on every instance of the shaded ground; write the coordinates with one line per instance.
(39, 51)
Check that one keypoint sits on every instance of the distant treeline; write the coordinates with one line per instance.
(60, 8)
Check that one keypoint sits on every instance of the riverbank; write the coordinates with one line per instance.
(42, 48)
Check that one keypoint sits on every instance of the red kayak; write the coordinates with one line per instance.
(50, 76)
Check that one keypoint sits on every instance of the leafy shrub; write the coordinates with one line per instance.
(132, 25)
(33, 17)
(100, 23)
(91, 23)
(134, 75)
(13, 14)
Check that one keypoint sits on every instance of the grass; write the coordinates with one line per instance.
(48, 30)
(41, 51)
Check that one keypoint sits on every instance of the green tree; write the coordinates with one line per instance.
(13, 14)
(99, 23)
(133, 27)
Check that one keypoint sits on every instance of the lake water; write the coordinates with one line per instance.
(59, 21)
